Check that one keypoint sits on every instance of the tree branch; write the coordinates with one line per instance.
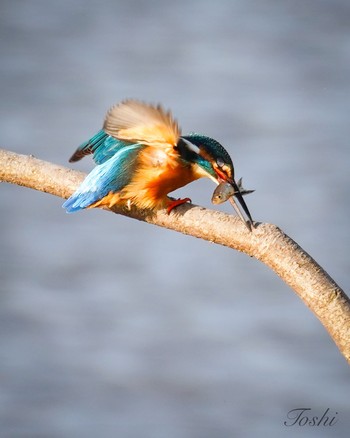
(266, 242)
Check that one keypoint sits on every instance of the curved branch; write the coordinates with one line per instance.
(266, 242)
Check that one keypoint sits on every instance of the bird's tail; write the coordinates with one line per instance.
(79, 201)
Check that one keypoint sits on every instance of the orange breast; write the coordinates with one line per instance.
(159, 172)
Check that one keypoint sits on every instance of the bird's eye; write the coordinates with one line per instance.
(220, 162)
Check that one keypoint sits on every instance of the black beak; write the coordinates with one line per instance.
(240, 199)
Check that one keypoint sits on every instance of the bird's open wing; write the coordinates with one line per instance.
(101, 145)
(138, 122)
(110, 176)
(128, 123)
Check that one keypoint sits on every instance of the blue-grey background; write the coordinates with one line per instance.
(114, 328)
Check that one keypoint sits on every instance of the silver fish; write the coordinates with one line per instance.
(222, 193)
(225, 191)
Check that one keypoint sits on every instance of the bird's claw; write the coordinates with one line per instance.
(177, 202)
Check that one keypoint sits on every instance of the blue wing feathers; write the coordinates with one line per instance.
(88, 147)
(111, 175)
(101, 145)
(106, 148)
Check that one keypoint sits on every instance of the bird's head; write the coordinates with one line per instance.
(213, 161)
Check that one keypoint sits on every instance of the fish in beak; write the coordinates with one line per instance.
(227, 190)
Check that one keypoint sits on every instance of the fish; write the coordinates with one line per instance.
(225, 191)
(222, 193)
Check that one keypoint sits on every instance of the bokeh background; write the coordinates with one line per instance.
(114, 328)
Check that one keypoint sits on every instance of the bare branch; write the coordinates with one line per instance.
(266, 243)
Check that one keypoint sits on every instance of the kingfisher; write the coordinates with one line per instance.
(141, 156)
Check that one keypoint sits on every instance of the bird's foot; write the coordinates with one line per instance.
(177, 202)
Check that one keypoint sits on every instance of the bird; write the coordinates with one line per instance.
(141, 156)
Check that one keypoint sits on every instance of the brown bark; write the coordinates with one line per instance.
(266, 242)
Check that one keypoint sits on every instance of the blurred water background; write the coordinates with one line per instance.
(114, 328)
